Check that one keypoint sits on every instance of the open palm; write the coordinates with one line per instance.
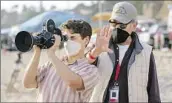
(102, 40)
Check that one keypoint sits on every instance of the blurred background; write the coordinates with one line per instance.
(154, 27)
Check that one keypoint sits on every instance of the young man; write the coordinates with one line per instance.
(127, 66)
(57, 81)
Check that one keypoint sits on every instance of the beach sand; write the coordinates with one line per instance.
(163, 61)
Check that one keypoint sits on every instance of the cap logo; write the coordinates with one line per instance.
(120, 10)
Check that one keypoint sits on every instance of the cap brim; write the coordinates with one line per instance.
(120, 19)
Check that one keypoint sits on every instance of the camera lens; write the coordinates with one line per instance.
(47, 35)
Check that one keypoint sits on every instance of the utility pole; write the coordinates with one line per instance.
(41, 8)
(100, 11)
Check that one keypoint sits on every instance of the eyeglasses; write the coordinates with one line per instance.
(117, 22)
(114, 22)
(121, 25)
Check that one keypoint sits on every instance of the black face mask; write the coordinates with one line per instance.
(119, 35)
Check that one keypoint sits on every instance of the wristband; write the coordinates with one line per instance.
(91, 57)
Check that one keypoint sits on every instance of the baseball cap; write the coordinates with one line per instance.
(123, 12)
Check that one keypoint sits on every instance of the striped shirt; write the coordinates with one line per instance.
(52, 88)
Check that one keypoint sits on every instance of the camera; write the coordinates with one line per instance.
(24, 40)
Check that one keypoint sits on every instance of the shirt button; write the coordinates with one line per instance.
(117, 48)
(117, 60)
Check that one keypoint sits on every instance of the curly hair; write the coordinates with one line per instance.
(78, 26)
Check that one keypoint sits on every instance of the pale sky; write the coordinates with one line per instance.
(61, 5)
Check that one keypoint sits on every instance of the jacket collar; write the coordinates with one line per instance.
(137, 45)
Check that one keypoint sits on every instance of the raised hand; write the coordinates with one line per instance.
(102, 40)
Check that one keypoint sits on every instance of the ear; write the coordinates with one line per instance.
(134, 26)
(86, 40)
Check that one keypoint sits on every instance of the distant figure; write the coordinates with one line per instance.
(159, 41)
(18, 65)
(18, 61)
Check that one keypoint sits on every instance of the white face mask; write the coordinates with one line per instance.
(72, 48)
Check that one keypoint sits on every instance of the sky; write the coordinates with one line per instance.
(61, 5)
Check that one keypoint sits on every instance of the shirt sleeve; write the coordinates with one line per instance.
(42, 71)
(90, 77)
(95, 62)
(153, 86)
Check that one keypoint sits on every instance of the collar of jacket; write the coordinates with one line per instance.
(136, 50)
(137, 45)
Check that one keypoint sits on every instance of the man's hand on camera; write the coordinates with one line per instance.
(36, 49)
(56, 45)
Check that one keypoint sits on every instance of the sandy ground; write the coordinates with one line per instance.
(163, 61)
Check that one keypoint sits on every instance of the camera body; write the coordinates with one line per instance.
(24, 40)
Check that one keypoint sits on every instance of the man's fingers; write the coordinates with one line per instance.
(102, 32)
(109, 33)
(98, 33)
(57, 38)
(105, 31)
